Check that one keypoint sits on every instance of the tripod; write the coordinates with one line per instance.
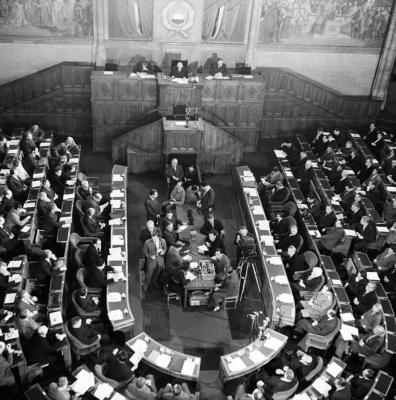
(246, 264)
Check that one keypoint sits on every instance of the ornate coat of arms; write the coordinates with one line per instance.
(178, 17)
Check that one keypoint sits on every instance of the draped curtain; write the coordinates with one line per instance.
(131, 19)
(221, 18)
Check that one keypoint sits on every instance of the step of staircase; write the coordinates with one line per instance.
(210, 387)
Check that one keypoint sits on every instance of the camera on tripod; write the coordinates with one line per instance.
(248, 247)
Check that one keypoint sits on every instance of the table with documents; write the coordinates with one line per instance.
(117, 291)
(251, 357)
(170, 362)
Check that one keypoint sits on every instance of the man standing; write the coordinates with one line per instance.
(154, 250)
(207, 199)
(173, 174)
(152, 206)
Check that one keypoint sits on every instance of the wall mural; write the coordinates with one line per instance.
(225, 20)
(325, 22)
(130, 19)
(64, 18)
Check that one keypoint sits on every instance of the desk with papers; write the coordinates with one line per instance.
(277, 295)
(251, 357)
(117, 291)
(170, 362)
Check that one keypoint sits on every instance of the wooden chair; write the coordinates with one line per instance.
(80, 277)
(169, 295)
(80, 311)
(316, 371)
(343, 247)
(79, 348)
(98, 368)
(230, 303)
(317, 341)
(286, 394)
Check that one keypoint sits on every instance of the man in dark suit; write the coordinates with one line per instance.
(207, 199)
(279, 195)
(305, 176)
(354, 162)
(147, 231)
(171, 236)
(173, 173)
(9, 241)
(314, 206)
(364, 301)
(292, 239)
(212, 224)
(153, 209)
(302, 364)
(362, 383)
(116, 367)
(179, 70)
(44, 205)
(332, 237)
(347, 196)
(51, 221)
(327, 219)
(144, 67)
(278, 383)
(92, 257)
(342, 390)
(84, 190)
(58, 180)
(366, 171)
(18, 189)
(86, 302)
(366, 233)
(294, 262)
(84, 332)
(339, 187)
(27, 144)
(218, 69)
(91, 224)
(40, 349)
(3, 147)
(355, 215)
(45, 267)
(323, 326)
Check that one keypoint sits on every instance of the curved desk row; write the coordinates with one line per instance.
(170, 362)
(117, 291)
(282, 308)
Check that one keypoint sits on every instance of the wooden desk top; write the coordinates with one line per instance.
(172, 125)
(156, 355)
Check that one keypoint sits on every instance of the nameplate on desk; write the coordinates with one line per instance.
(252, 192)
(267, 240)
(248, 179)
(257, 210)
(29, 205)
(103, 391)
(114, 297)
(263, 225)
(117, 178)
(108, 73)
(274, 260)
(45, 144)
(36, 184)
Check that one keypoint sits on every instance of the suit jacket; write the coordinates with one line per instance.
(369, 232)
(149, 248)
(217, 244)
(315, 208)
(152, 209)
(354, 163)
(365, 173)
(43, 208)
(170, 238)
(354, 218)
(95, 279)
(289, 240)
(366, 301)
(332, 237)
(27, 145)
(327, 220)
(360, 386)
(6, 205)
(15, 185)
(85, 334)
(296, 263)
(117, 370)
(58, 183)
(92, 258)
(208, 199)
(214, 69)
(207, 227)
(50, 223)
(43, 272)
(91, 224)
(370, 320)
(179, 74)
(372, 343)
(86, 303)
(146, 234)
(277, 384)
(172, 257)
(230, 286)
(324, 327)
(221, 267)
(340, 185)
(6, 375)
(29, 162)
(84, 194)
(170, 172)
(280, 195)
(347, 198)
(90, 202)
(40, 350)
(344, 394)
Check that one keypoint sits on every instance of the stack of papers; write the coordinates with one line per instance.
(202, 249)
(321, 386)
(115, 315)
(68, 196)
(9, 298)
(163, 360)
(257, 210)
(267, 240)
(117, 240)
(348, 332)
(285, 298)
(118, 178)
(15, 278)
(373, 276)
(236, 364)
(85, 380)
(382, 229)
(334, 369)
(281, 279)
(140, 346)
(257, 356)
(115, 221)
(280, 153)
(273, 343)
(12, 334)
(248, 179)
(113, 297)
(103, 391)
(115, 203)
(275, 260)
(25, 229)
(14, 264)
(350, 232)
(188, 367)
(38, 175)
(347, 317)
(190, 276)
(116, 193)
(36, 184)
(250, 191)
(263, 225)
(289, 174)
(55, 318)
(137, 356)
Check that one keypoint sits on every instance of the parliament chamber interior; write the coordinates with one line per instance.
(198, 199)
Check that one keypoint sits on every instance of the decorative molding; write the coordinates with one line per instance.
(178, 17)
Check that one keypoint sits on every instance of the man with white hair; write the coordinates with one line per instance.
(84, 190)
(59, 390)
(95, 201)
(147, 231)
(37, 132)
(173, 174)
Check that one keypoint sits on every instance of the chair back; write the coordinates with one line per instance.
(316, 371)
(290, 208)
(80, 277)
(230, 303)
(286, 394)
(310, 293)
(290, 221)
(79, 208)
(85, 231)
(74, 239)
(78, 347)
(78, 255)
(81, 311)
(319, 341)
(300, 243)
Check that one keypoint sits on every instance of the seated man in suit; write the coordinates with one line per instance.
(279, 195)
(44, 205)
(214, 242)
(50, 223)
(179, 70)
(44, 269)
(321, 326)
(342, 390)
(292, 239)
(86, 302)
(228, 288)
(15, 219)
(366, 234)
(7, 377)
(41, 349)
(95, 201)
(7, 202)
(93, 255)
(282, 381)
(91, 224)
(318, 305)
(327, 219)
(222, 263)
(143, 388)
(84, 332)
(354, 216)
(294, 262)
(302, 364)
(116, 367)
(26, 325)
(361, 383)
(9, 241)
(18, 189)
(305, 176)
(219, 69)
(309, 283)
(245, 243)
(313, 204)
(84, 190)
(363, 302)
(171, 236)
(333, 236)
(211, 224)
(178, 391)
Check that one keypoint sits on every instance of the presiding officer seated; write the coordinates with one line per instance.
(179, 70)
(219, 69)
